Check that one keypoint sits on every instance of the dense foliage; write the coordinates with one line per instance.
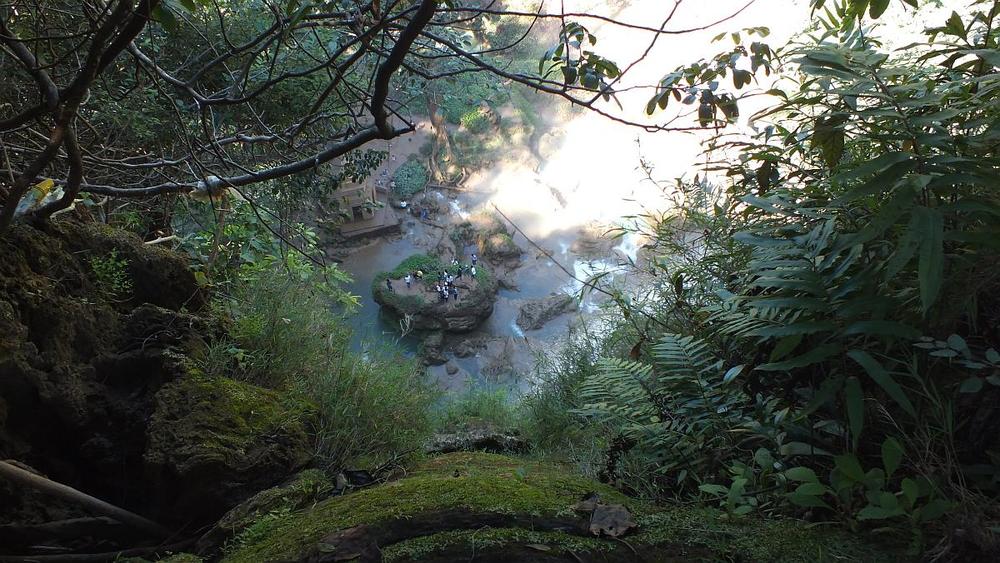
(823, 332)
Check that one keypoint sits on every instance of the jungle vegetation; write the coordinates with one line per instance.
(818, 337)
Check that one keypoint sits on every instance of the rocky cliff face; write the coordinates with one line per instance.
(98, 389)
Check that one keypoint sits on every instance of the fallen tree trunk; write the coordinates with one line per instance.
(88, 557)
(44, 485)
(27, 534)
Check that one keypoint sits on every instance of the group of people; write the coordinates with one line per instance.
(445, 286)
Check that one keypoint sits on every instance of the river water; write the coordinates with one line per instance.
(538, 276)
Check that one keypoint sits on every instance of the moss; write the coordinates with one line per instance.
(485, 538)
(219, 414)
(213, 442)
(475, 481)
(505, 485)
(181, 558)
(247, 522)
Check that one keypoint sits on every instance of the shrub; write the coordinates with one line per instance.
(285, 335)
(475, 121)
(410, 178)
(111, 275)
(478, 407)
(375, 407)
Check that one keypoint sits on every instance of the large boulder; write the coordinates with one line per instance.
(80, 364)
(421, 306)
(500, 248)
(432, 349)
(213, 442)
(534, 314)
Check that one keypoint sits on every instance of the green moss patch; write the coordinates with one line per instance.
(505, 485)
(475, 481)
(213, 442)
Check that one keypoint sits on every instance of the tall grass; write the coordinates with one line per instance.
(284, 334)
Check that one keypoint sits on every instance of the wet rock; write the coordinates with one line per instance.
(506, 280)
(534, 314)
(467, 347)
(500, 248)
(213, 442)
(498, 358)
(432, 349)
(612, 520)
(592, 242)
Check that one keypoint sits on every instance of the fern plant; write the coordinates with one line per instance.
(683, 413)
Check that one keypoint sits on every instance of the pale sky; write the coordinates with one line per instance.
(594, 162)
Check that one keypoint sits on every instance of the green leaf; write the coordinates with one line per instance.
(934, 510)
(878, 513)
(785, 347)
(713, 489)
(911, 492)
(877, 7)
(812, 489)
(804, 474)
(801, 448)
(892, 455)
(956, 342)
(816, 355)
(875, 165)
(971, 385)
(883, 328)
(732, 373)
(165, 17)
(954, 25)
(992, 356)
(855, 400)
(807, 501)
(875, 370)
(849, 466)
(931, 266)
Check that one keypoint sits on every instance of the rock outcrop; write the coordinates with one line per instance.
(97, 388)
(423, 308)
(535, 314)
(213, 442)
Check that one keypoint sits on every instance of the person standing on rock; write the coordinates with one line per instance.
(475, 259)
(473, 270)
(454, 293)
(408, 279)
(388, 285)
